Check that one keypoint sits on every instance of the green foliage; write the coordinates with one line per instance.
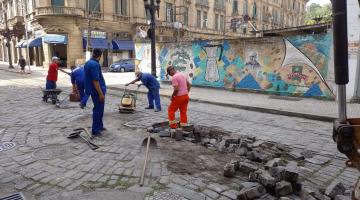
(316, 14)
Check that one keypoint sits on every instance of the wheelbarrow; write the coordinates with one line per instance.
(51, 94)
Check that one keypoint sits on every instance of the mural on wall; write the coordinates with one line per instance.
(296, 65)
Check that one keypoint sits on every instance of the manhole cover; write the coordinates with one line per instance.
(6, 146)
(47, 153)
(285, 98)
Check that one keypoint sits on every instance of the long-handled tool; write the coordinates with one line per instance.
(148, 141)
(85, 130)
(58, 104)
(77, 134)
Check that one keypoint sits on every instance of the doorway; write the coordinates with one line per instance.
(60, 50)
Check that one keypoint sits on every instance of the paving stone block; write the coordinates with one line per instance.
(210, 193)
(334, 189)
(231, 194)
(217, 187)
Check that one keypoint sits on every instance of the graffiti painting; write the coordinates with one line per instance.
(295, 65)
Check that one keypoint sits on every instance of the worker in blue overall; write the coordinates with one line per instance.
(153, 86)
(77, 79)
(95, 87)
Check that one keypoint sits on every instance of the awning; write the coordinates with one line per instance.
(55, 39)
(35, 42)
(97, 43)
(123, 45)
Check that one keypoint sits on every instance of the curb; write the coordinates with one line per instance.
(250, 108)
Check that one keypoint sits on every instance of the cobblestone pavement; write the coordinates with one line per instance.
(44, 164)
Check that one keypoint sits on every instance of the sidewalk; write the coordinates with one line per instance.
(289, 106)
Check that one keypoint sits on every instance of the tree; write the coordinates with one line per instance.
(316, 14)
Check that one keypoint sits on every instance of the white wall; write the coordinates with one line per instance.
(353, 11)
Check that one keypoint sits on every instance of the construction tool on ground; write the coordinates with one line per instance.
(346, 132)
(59, 103)
(78, 134)
(128, 100)
(85, 130)
(149, 142)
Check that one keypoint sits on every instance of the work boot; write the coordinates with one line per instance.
(149, 107)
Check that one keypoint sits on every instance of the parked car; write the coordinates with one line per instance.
(126, 65)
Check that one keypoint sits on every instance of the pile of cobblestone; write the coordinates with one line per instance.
(274, 171)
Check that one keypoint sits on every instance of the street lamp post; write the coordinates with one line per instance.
(8, 38)
(152, 8)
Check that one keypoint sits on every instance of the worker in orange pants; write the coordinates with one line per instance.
(179, 98)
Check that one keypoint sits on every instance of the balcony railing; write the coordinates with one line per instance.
(96, 15)
(46, 11)
(122, 18)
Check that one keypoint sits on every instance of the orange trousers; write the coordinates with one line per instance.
(181, 103)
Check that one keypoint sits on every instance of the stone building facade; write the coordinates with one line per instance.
(60, 27)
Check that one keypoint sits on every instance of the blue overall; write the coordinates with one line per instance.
(93, 73)
(153, 86)
(78, 78)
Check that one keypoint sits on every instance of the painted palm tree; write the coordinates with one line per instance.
(180, 59)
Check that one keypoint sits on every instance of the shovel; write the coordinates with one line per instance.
(148, 141)
(77, 134)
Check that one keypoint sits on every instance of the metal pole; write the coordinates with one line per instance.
(8, 42)
(88, 35)
(153, 38)
(341, 53)
(26, 34)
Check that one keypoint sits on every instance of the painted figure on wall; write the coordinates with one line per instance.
(253, 61)
(212, 71)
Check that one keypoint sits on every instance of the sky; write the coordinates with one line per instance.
(321, 2)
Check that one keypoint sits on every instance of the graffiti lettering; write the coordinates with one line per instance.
(297, 76)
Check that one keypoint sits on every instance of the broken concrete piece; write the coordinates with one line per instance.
(334, 189)
(246, 168)
(272, 163)
(266, 180)
(232, 148)
(291, 172)
(252, 192)
(229, 170)
(221, 147)
(241, 151)
(277, 172)
(283, 188)
(296, 154)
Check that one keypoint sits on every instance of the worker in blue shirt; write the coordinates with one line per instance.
(152, 85)
(96, 87)
(77, 79)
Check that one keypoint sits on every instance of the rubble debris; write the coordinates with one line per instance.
(229, 170)
(283, 188)
(251, 191)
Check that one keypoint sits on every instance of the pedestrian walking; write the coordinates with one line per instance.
(77, 79)
(95, 87)
(179, 97)
(22, 64)
(52, 75)
(153, 87)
